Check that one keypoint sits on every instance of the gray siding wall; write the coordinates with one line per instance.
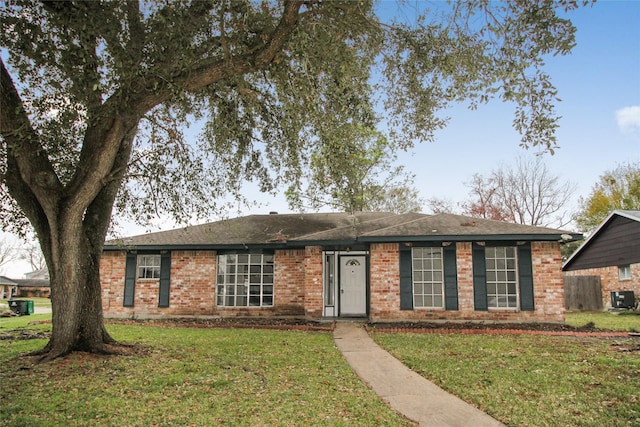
(617, 244)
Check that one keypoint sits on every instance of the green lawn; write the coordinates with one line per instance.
(190, 377)
(624, 321)
(527, 380)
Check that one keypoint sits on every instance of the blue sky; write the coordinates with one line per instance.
(600, 78)
(599, 84)
(597, 81)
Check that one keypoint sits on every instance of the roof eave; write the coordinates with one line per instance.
(469, 238)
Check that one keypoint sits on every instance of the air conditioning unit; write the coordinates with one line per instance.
(623, 299)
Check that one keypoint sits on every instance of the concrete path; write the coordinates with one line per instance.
(404, 390)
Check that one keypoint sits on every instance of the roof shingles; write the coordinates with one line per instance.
(295, 229)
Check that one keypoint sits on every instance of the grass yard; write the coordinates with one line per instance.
(527, 380)
(189, 377)
(247, 377)
(623, 321)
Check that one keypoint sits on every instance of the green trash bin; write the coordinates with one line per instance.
(21, 306)
(28, 306)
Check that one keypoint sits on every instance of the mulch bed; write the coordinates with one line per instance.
(414, 327)
(238, 323)
(510, 329)
(469, 328)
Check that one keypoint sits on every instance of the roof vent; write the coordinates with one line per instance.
(273, 213)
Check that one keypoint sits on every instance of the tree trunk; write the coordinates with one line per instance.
(76, 300)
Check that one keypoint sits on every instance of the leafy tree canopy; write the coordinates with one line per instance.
(269, 77)
(618, 188)
(354, 172)
(95, 97)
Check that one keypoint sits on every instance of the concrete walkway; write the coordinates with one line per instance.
(404, 390)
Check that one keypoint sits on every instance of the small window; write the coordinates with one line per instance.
(148, 266)
(502, 277)
(428, 278)
(624, 272)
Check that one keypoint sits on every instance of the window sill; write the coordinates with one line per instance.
(243, 307)
(511, 309)
(429, 308)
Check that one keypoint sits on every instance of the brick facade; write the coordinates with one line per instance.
(298, 287)
(193, 287)
(547, 278)
(610, 280)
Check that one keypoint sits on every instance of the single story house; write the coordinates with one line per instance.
(611, 252)
(7, 287)
(379, 266)
(32, 288)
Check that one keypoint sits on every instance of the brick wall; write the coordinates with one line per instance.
(313, 282)
(384, 280)
(193, 287)
(289, 276)
(298, 288)
(610, 280)
(547, 276)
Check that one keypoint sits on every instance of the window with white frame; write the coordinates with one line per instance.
(428, 277)
(245, 280)
(502, 277)
(148, 266)
(624, 272)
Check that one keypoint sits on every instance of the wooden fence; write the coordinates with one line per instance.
(582, 293)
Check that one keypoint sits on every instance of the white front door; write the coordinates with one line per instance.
(353, 285)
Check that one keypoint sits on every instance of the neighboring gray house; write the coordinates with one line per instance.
(611, 252)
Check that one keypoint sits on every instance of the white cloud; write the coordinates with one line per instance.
(628, 119)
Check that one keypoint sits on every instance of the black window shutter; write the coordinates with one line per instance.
(450, 277)
(479, 278)
(406, 286)
(130, 280)
(525, 270)
(165, 273)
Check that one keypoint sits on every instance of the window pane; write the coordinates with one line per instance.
(241, 290)
(427, 277)
(502, 277)
(437, 301)
(243, 276)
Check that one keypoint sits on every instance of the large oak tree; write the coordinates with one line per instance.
(95, 96)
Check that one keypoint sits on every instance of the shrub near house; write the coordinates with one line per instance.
(379, 266)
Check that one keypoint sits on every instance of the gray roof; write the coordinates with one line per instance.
(280, 230)
(633, 215)
(6, 281)
(32, 283)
